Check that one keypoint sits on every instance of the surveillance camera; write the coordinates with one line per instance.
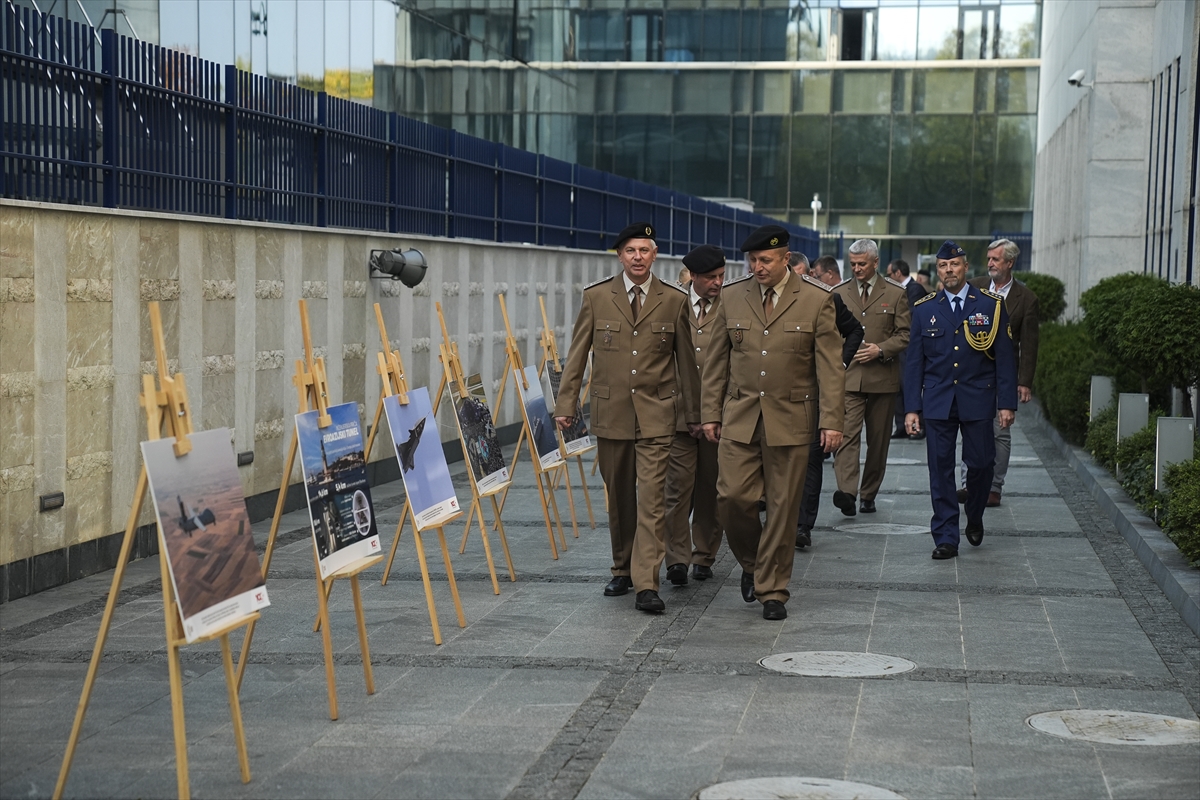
(408, 267)
(1077, 77)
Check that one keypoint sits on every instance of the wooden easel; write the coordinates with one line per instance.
(166, 405)
(391, 370)
(514, 366)
(312, 388)
(550, 358)
(453, 372)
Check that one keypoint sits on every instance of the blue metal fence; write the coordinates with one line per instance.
(157, 129)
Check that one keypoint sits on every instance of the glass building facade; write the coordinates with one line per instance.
(906, 118)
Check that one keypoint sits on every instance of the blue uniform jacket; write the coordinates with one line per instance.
(941, 367)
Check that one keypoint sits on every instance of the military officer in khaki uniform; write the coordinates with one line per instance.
(637, 328)
(780, 353)
(873, 379)
(692, 471)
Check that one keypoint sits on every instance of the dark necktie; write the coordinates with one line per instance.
(866, 289)
(703, 311)
(768, 302)
(958, 309)
(636, 303)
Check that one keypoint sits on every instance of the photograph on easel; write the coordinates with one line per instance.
(576, 438)
(422, 461)
(335, 483)
(204, 528)
(479, 433)
(537, 416)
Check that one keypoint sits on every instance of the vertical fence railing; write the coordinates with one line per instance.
(155, 129)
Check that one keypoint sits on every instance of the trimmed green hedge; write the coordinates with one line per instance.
(1067, 360)
(1051, 294)
(1182, 519)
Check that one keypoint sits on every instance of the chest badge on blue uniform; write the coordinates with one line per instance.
(978, 320)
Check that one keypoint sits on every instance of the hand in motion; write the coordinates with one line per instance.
(1006, 417)
(830, 440)
(867, 352)
(713, 431)
(564, 422)
(912, 423)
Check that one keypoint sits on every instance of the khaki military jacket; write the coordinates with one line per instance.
(634, 378)
(701, 339)
(886, 319)
(775, 369)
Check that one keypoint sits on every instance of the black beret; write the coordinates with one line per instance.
(767, 237)
(924, 272)
(638, 230)
(705, 258)
(950, 249)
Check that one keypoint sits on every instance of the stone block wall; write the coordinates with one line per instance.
(75, 341)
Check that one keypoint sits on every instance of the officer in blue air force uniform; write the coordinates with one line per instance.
(959, 370)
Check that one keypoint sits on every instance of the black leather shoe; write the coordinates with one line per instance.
(944, 551)
(748, 587)
(899, 433)
(803, 537)
(677, 574)
(962, 497)
(648, 600)
(975, 533)
(916, 437)
(618, 586)
(867, 507)
(774, 610)
(845, 502)
(701, 573)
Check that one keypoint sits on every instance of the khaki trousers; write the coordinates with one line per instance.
(747, 472)
(635, 472)
(692, 490)
(876, 410)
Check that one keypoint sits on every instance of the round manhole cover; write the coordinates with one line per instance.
(787, 788)
(882, 528)
(836, 664)
(903, 462)
(1117, 727)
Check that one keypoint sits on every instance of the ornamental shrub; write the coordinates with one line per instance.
(1158, 335)
(1182, 519)
(1105, 303)
(1051, 294)
(1101, 441)
(1067, 359)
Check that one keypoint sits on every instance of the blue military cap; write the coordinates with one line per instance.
(704, 259)
(950, 249)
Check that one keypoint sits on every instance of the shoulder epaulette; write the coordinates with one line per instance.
(929, 296)
(897, 284)
(817, 283)
(843, 283)
(597, 283)
(675, 286)
(991, 294)
(745, 277)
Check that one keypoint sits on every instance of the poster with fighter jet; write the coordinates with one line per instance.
(205, 531)
(335, 483)
(479, 435)
(422, 460)
(575, 438)
(537, 417)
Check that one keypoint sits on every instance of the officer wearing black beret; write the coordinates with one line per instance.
(777, 352)
(959, 370)
(637, 329)
(692, 471)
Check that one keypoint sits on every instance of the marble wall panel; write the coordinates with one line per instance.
(69, 418)
(219, 392)
(89, 247)
(89, 414)
(16, 243)
(220, 327)
(89, 334)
